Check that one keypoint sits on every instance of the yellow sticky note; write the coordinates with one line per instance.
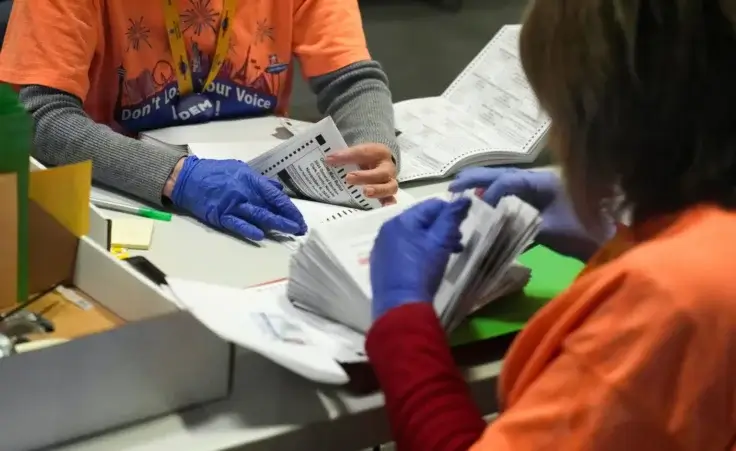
(63, 192)
(131, 233)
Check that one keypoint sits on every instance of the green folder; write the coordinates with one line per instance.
(16, 136)
(552, 273)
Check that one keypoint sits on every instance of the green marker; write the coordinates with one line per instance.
(125, 208)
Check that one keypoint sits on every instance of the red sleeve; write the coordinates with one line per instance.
(428, 402)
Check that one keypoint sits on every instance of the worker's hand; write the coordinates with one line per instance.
(411, 252)
(377, 171)
(229, 195)
(561, 231)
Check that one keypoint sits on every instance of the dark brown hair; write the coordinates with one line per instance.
(642, 97)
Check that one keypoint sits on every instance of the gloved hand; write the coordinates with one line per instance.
(561, 231)
(411, 252)
(229, 195)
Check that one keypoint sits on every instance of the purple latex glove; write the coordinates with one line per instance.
(561, 231)
(229, 195)
(411, 252)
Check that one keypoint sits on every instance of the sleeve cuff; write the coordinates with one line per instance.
(397, 331)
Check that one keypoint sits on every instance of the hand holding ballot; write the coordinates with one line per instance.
(411, 252)
(561, 231)
(377, 171)
(229, 195)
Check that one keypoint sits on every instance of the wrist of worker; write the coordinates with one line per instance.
(416, 319)
(384, 303)
(168, 190)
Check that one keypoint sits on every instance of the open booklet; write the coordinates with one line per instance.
(488, 115)
(316, 320)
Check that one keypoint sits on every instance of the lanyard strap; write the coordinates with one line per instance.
(179, 51)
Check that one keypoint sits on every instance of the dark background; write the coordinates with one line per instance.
(421, 47)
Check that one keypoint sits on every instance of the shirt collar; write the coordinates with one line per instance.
(627, 237)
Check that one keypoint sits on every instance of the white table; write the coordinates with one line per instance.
(270, 408)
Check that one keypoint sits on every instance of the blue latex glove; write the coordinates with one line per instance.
(229, 195)
(411, 252)
(561, 231)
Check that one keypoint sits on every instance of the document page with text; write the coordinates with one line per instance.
(299, 164)
(488, 115)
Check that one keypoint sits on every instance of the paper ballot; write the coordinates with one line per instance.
(330, 274)
(299, 164)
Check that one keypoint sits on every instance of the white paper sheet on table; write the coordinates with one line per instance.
(316, 213)
(294, 126)
(215, 131)
(244, 151)
(263, 320)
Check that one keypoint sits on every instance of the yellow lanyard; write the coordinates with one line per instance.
(178, 48)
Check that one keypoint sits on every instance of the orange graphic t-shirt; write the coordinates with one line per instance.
(115, 55)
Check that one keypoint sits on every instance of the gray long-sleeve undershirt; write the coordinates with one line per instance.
(357, 97)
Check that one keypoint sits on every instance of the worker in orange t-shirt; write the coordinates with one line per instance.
(96, 73)
(639, 354)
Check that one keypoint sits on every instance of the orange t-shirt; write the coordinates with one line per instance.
(115, 54)
(639, 354)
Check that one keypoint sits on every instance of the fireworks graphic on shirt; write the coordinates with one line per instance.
(263, 31)
(137, 34)
(201, 16)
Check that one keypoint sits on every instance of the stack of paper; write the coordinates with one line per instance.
(330, 273)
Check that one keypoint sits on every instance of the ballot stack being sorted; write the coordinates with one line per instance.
(330, 273)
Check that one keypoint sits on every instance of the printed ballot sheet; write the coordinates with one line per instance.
(488, 114)
(299, 164)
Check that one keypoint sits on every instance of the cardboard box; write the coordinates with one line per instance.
(131, 353)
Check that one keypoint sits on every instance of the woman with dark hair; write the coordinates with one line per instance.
(639, 353)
